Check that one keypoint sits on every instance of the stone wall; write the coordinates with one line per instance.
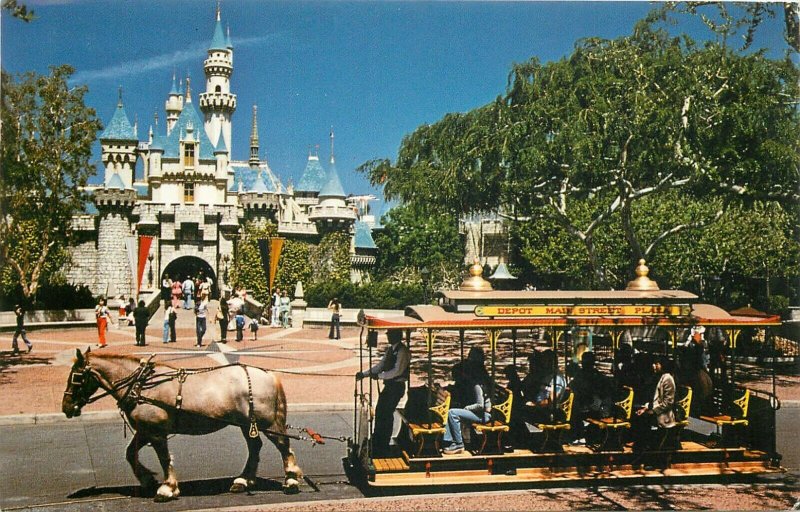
(114, 275)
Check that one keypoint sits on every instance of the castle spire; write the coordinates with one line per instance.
(333, 160)
(119, 98)
(254, 140)
(188, 89)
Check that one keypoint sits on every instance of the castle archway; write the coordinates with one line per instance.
(191, 266)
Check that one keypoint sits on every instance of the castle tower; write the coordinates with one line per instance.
(173, 105)
(115, 204)
(217, 103)
(332, 213)
(254, 142)
(118, 147)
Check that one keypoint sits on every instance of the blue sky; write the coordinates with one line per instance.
(373, 70)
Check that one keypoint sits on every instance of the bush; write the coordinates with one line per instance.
(374, 295)
(50, 296)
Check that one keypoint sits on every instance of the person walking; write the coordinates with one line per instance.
(166, 289)
(188, 290)
(239, 325)
(393, 369)
(222, 318)
(285, 310)
(103, 316)
(141, 316)
(168, 310)
(177, 292)
(201, 311)
(20, 331)
(335, 308)
(276, 306)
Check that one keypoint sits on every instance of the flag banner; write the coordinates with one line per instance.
(130, 247)
(276, 244)
(144, 249)
(263, 251)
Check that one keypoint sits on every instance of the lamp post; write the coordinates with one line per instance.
(150, 270)
(425, 275)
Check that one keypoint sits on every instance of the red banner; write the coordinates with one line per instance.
(144, 251)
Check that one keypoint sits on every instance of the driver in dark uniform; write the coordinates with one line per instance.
(393, 370)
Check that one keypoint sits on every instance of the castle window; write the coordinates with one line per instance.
(188, 155)
(188, 192)
(218, 89)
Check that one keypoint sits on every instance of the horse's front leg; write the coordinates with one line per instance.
(169, 489)
(248, 476)
(145, 476)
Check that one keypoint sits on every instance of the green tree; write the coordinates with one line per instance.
(47, 134)
(414, 239)
(18, 10)
(247, 270)
(584, 142)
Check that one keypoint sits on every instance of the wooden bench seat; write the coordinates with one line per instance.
(612, 427)
(493, 430)
(552, 440)
(425, 433)
(730, 426)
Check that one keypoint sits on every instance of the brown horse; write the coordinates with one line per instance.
(160, 400)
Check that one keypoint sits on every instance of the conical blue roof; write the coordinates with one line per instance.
(116, 182)
(119, 128)
(363, 238)
(188, 116)
(259, 187)
(332, 187)
(174, 89)
(218, 42)
(314, 176)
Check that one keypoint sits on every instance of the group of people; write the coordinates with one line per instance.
(536, 397)
(190, 290)
(280, 309)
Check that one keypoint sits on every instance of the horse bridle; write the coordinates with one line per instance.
(78, 380)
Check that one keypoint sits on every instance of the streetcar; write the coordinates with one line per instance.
(724, 432)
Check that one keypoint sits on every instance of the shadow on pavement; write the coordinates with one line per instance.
(211, 487)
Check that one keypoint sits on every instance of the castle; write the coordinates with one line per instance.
(186, 213)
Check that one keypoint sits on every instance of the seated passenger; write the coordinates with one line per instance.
(479, 406)
(660, 411)
(593, 395)
(542, 388)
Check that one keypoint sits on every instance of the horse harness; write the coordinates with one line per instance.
(144, 377)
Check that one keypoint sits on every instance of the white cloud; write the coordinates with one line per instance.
(163, 61)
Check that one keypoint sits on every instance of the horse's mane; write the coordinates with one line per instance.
(127, 357)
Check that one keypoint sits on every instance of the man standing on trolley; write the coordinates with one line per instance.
(393, 370)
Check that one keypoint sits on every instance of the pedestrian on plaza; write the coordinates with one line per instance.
(336, 309)
(20, 331)
(103, 316)
(177, 292)
(285, 310)
(239, 325)
(141, 316)
(200, 311)
(173, 318)
(188, 291)
(254, 328)
(168, 310)
(393, 370)
(276, 306)
(222, 318)
(129, 308)
(166, 289)
(123, 306)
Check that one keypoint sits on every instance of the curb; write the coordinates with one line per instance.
(105, 416)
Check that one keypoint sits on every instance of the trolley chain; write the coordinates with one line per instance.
(314, 436)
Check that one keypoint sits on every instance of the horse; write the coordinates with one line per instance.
(159, 400)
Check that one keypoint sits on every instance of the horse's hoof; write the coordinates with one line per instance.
(165, 493)
(239, 485)
(291, 486)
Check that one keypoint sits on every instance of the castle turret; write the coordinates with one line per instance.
(115, 204)
(217, 103)
(173, 105)
(332, 212)
(119, 146)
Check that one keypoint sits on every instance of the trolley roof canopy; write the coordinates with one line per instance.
(564, 308)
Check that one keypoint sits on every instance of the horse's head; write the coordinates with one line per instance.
(81, 385)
